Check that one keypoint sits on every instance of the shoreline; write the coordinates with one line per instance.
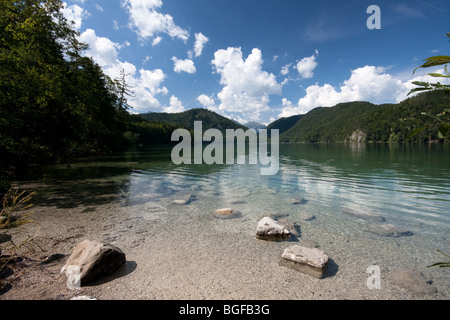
(187, 260)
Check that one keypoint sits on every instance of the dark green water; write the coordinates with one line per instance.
(132, 195)
(407, 184)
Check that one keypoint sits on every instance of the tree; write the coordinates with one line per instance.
(443, 117)
(123, 90)
(55, 104)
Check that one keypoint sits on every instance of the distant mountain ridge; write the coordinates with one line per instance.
(255, 125)
(365, 122)
(187, 118)
(358, 121)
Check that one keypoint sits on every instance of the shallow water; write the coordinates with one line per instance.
(408, 185)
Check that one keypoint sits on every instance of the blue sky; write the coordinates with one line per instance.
(260, 59)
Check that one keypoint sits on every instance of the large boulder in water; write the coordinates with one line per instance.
(269, 229)
(311, 261)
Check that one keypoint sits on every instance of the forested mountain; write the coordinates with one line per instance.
(284, 124)
(366, 122)
(186, 119)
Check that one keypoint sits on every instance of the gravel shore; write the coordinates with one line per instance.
(172, 254)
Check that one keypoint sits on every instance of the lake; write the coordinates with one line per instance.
(407, 185)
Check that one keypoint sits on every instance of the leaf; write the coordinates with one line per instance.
(438, 58)
(421, 83)
(440, 264)
(438, 75)
(434, 61)
(418, 89)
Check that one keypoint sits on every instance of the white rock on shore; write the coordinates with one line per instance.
(91, 260)
(311, 261)
(269, 229)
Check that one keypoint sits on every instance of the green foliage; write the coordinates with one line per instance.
(14, 214)
(403, 122)
(442, 118)
(54, 104)
(150, 132)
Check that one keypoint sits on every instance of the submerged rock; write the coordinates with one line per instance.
(227, 213)
(305, 216)
(237, 201)
(269, 229)
(411, 279)
(186, 200)
(374, 217)
(297, 200)
(311, 261)
(389, 230)
(91, 260)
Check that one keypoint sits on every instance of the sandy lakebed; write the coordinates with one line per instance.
(215, 259)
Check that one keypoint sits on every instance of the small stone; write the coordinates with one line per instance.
(411, 279)
(269, 229)
(188, 199)
(227, 213)
(83, 298)
(311, 261)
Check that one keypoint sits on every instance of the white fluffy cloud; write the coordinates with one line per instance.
(156, 40)
(148, 22)
(285, 69)
(206, 101)
(367, 83)
(145, 84)
(200, 41)
(186, 65)
(74, 15)
(246, 86)
(175, 106)
(306, 66)
(101, 49)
